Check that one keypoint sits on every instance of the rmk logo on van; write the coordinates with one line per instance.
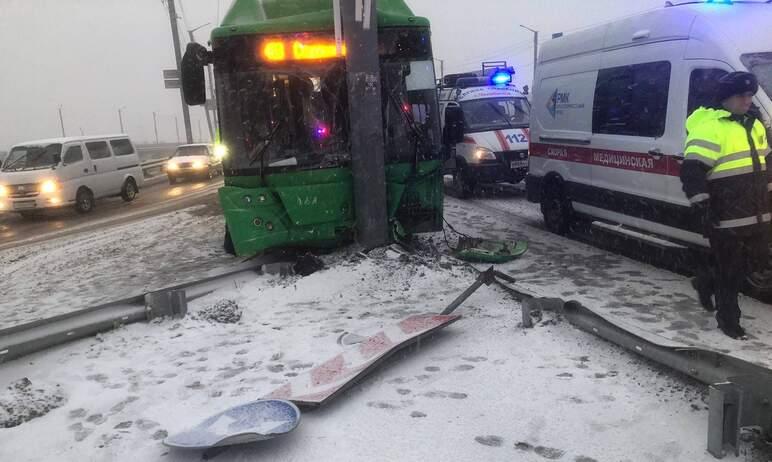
(559, 101)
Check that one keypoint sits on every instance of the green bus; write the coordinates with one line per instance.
(282, 100)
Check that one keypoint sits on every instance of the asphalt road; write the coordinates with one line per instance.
(154, 199)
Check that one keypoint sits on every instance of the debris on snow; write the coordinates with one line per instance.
(308, 264)
(223, 312)
(22, 403)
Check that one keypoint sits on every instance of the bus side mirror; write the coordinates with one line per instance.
(454, 126)
(192, 74)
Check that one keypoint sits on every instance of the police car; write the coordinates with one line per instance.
(496, 120)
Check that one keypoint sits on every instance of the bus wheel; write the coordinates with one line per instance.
(228, 243)
(556, 208)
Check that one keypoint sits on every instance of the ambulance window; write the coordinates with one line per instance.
(703, 84)
(632, 100)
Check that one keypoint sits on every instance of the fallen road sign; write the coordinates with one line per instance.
(324, 382)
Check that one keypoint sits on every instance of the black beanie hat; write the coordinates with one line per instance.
(737, 83)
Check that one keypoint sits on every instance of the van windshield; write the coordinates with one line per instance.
(32, 157)
(760, 64)
(496, 114)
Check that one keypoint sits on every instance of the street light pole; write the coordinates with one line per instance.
(120, 118)
(61, 121)
(155, 127)
(535, 50)
(178, 58)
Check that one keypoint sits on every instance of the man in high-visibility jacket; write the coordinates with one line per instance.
(725, 177)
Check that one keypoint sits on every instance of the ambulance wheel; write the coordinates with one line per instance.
(463, 182)
(228, 243)
(555, 207)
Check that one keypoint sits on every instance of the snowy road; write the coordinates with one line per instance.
(483, 389)
(73, 272)
(154, 199)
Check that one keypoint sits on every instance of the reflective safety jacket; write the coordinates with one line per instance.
(725, 163)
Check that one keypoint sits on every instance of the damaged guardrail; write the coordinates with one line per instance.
(172, 301)
(740, 399)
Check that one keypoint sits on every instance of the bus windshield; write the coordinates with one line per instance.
(289, 117)
(496, 114)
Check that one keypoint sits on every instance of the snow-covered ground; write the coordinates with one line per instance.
(60, 275)
(627, 292)
(482, 389)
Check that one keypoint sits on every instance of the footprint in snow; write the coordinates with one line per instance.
(463, 367)
(490, 440)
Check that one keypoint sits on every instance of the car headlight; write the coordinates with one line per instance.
(3, 191)
(172, 166)
(484, 154)
(48, 186)
(198, 165)
(220, 151)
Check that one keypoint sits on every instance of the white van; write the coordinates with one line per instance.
(610, 105)
(76, 171)
(496, 118)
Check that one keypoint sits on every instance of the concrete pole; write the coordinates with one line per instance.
(367, 150)
(178, 58)
(177, 128)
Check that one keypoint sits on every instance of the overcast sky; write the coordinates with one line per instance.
(92, 57)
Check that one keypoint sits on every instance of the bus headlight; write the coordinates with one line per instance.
(172, 166)
(3, 191)
(220, 151)
(48, 187)
(198, 165)
(484, 154)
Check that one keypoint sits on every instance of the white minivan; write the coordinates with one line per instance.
(609, 112)
(74, 171)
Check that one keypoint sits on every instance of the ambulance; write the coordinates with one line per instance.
(496, 117)
(610, 106)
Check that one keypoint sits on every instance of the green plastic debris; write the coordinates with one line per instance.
(477, 250)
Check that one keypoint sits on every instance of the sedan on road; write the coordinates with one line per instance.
(194, 161)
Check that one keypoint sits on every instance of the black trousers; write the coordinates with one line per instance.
(734, 257)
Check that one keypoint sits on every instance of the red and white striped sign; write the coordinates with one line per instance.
(324, 381)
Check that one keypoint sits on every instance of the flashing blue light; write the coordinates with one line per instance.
(725, 2)
(501, 78)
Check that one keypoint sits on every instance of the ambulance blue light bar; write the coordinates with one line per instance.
(502, 76)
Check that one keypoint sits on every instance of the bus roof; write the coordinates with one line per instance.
(285, 16)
